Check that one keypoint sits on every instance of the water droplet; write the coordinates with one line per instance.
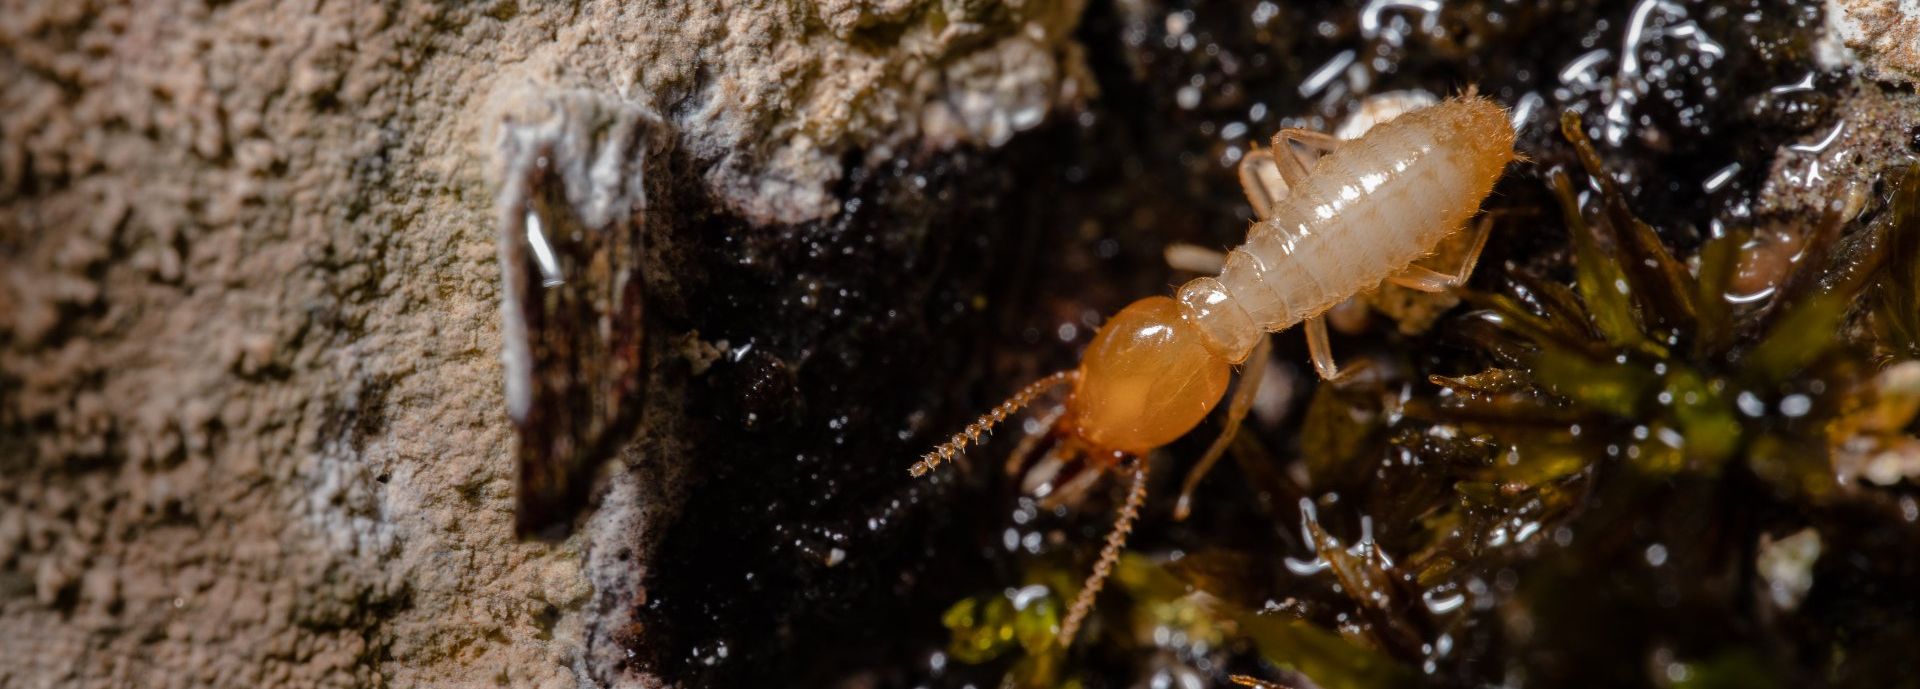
(1325, 74)
(1026, 596)
(1177, 22)
(1444, 603)
(1721, 178)
(1188, 97)
(543, 252)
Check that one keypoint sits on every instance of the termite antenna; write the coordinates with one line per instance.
(971, 434)
(1109, 555)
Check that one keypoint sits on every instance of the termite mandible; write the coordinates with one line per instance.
(1367, 211)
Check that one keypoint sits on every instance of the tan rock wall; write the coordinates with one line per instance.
(251, 420)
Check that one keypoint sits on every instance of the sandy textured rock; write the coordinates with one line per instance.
(250, 387)
(773, 95)
(1882, 35)
(1827, 166)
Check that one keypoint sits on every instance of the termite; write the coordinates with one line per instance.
(1364, 212)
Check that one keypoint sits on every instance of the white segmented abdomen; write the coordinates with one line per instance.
(1363, 213)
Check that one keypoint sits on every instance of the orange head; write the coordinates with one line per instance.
(1147, 379)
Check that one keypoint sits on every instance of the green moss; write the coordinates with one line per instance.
(988, 625)
(1640, 342)
(1896, 313)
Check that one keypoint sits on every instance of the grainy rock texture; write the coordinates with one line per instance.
(251, 418)
(1883, 34)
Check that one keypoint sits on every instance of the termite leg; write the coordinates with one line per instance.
(1109, 555)
(1426, 279)
(1319, 349)
(1237, 408)
(1066, 493)
(1476, 242)
(1261, 181)
(1319, 141)
(1293, 168)
(1194, 258)
(1024, 451)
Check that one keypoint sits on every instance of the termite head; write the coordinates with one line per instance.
(1147, 379)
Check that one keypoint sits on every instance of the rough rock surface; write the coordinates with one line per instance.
(250, 390)
(1884, 36)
